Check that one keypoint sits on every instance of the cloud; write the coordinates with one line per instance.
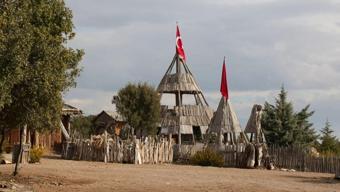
(267, 43)
(90, 101)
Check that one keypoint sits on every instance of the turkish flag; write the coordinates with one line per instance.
(224, 83)
(179, 45)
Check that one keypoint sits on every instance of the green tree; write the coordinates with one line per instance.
(15, 44)
(140, 106)
(49, 66)
(328, 142)
(304, 133)
(283, 127)
(82, 125)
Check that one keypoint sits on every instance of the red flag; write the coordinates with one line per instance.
(179, 45)
(224, 83)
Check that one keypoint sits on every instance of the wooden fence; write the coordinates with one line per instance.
(234, 155)
(162, 150)
(297, 158)
(150, 150)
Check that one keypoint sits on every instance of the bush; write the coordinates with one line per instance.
(36, 154)
(207, 157)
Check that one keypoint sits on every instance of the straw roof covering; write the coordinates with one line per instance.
(224, 119)
(184, 82)
(254, 121)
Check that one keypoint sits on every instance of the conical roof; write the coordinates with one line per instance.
(254, 121)
(224, 119)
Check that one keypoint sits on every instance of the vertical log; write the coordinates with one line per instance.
(106, 147)
(337, 168)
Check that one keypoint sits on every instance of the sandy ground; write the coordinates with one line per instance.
(63, 175)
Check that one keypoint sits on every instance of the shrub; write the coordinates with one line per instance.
(207, 157)
(36, 154)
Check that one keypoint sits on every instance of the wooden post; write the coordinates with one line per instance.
(106, 145)
(36, 134)
(24, 135)
(337, 169)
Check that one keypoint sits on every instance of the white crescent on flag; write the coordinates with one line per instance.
(179, 45)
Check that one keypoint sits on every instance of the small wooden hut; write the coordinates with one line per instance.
(109, 121)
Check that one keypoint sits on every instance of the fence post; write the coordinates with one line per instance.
(106, 145)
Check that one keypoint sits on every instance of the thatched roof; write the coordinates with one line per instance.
(254, 121)
(224, 119)
(184, 82)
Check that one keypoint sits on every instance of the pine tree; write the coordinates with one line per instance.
(270, 125)
(329, 142)
(285, 117)
(305, 134)
(283, 127)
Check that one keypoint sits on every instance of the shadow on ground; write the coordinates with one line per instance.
(52, 156)
(321, 180)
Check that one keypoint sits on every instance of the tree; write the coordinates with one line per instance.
(14, 46)
(49, 67)
(140, 106)
(329, 142)
(82, 125)
(14, 49)
(283, 127)
(304, 133)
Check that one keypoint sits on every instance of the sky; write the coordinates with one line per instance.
(267, 44)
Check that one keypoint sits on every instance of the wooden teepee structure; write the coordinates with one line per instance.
(185, 123)
(224, 123)
(254, 126)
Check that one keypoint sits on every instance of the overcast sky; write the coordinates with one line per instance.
(267, 43)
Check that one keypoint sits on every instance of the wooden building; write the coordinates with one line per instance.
(110, 121)
(50, 140)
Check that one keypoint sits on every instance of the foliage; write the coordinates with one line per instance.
(139, 104)
(36, 154)
(45, 64)
(15, 43)
(283, 127)
(83, 125)
(304, 133)
(329, 144)
(210, 138)
(207, 157)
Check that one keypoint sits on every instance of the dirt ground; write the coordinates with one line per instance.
(64, 175)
